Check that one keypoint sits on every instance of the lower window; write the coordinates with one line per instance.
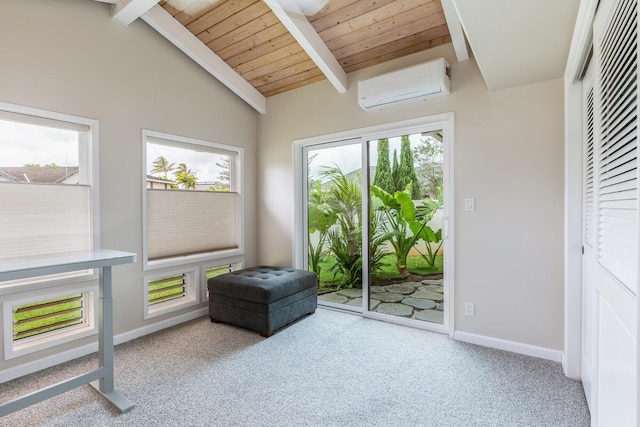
(170, 291)
(36, 323)
(217, 271)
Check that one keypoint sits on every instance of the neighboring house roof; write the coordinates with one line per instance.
(203, 186)
(159, 179)
(200, 186)
(48, 174)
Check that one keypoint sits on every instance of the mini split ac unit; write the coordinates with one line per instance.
(417, 83)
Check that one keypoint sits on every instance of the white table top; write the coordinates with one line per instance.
(42, 265)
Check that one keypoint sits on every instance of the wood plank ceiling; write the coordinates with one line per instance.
(248, 36)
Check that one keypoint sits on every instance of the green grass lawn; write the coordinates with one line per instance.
(48, 315)
(417, 265)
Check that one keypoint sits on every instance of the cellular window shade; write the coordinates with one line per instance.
(617, 182)
(183, 222)
(44, 218)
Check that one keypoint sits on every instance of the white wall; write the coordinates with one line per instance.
(508, 156)
(69, 56)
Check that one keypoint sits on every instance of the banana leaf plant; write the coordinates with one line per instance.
(429, 236)
(424, 213)
(429, 207)
(403, 229)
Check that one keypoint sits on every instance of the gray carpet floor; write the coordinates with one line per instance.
(329, 369)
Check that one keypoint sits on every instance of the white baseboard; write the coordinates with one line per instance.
(45, 362)
(158, 326)
(512, 346)
(65, 356)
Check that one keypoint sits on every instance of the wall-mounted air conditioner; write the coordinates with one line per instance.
(416, 83)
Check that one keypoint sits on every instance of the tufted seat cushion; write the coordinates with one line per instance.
(262, 298)
(262, 284)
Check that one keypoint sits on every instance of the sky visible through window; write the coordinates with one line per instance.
(202, 163)
(28, 144)
(349, 158)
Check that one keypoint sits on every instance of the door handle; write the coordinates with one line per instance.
(445, 228)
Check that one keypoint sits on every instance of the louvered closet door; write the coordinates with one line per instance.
(612, 271)
(588, 237)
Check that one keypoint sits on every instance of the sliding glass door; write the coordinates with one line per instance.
(406, 255)
(375, 223)
(334, 221)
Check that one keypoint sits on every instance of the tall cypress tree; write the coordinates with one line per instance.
(395, 173)
(383, 177)
(406, 171)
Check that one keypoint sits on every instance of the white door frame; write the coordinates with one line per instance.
(575, 299)
(441, 121)
(578, 55)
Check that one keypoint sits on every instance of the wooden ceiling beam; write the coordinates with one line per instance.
(455, 30)
(308, 38)
(162, 21)
(127, 11)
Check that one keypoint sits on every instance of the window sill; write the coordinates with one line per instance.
(192, 259)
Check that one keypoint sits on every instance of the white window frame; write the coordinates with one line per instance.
(218, 263)
(87, 172)
(236, 185)
(88, 327)
(59, 284)
(191, 298)
(361, 136)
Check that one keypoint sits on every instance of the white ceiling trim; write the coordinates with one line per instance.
(518, 43)
(165, 24)
(127, 11)
(581, 41)
(304, 33)
(455, 30)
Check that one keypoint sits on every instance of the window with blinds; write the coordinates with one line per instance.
(170, 291)
(167, 288)
(192, 200)
(48, 315)
(215, 271)
(45, 184)
(617, 182)
(55, 316)
(181, 223)
(48, 206)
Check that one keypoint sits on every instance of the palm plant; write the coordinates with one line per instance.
(344, 199)
(377, 237)
(348, 263)
(162, 165)
(185, 177)
(321, 218)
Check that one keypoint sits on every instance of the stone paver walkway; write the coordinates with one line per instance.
(416, 300)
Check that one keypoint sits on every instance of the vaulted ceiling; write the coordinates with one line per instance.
(260, 48)
(249, 36)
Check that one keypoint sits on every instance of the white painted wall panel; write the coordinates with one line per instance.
(509, 157)
(69, 56)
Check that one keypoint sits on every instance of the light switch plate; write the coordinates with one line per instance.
(469, 205)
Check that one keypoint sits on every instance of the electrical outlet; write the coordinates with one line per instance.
(469, 309)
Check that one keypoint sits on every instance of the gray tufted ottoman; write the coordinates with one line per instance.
(262, 298)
